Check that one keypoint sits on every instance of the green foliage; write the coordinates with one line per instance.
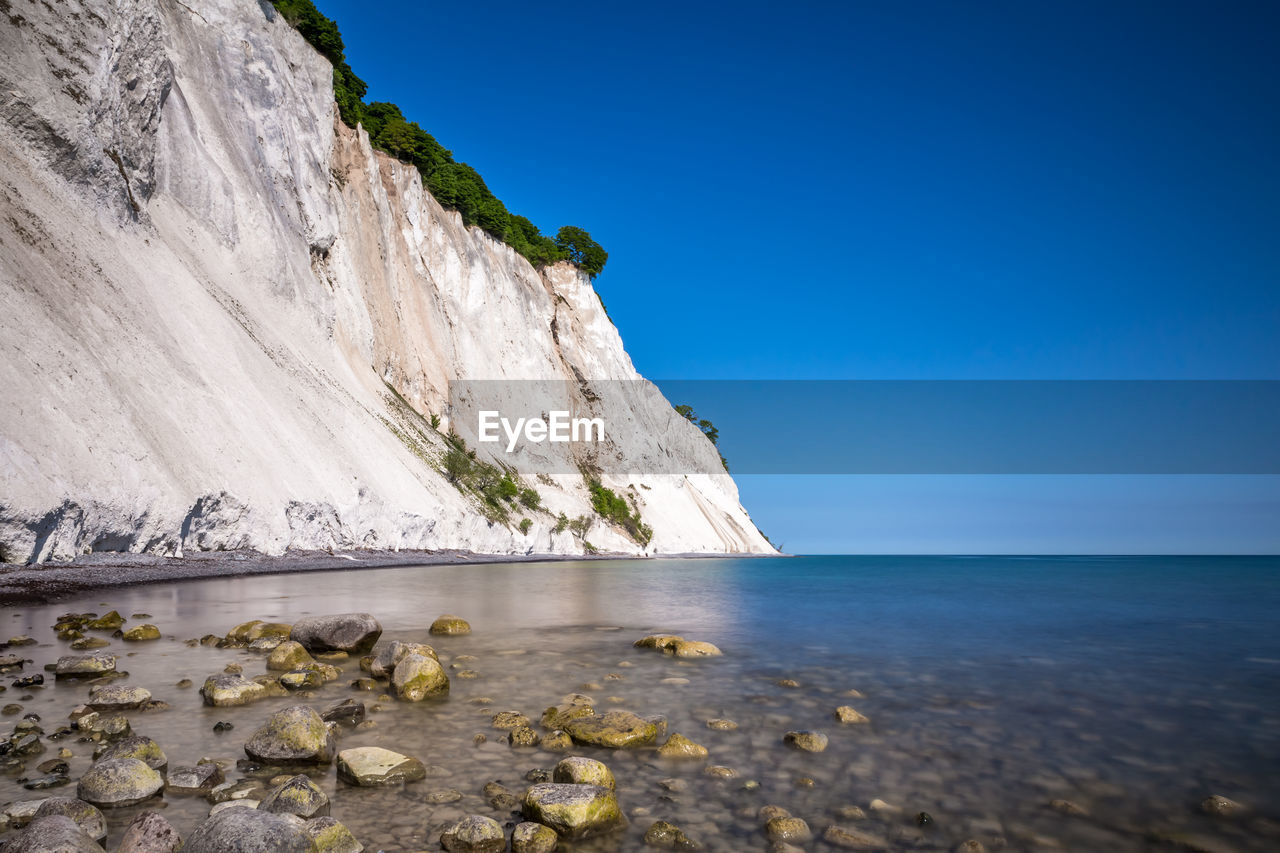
(578, 246)
(708, 428)
(530, 499)
(457, 465)
(435, 422)
(455, 185)
(498, 490)
(562, 523)
(581, 526)
(525, 525)
(614, 508)
(507, 488)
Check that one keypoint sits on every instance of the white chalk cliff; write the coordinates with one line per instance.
(223, 317)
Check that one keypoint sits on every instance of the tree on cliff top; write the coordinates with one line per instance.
(578, 246)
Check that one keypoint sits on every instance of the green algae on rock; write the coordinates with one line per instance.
(573, 811)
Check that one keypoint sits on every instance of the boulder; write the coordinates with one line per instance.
(417, 677)
(474, 834)
(112, 621)
(227, 690)
(449, 625)
(139, 633)
(53, 834)
(531, 837)
(87, 817)
(85, 666)
(295, 735)
(354, 633)
(614, 730)
(788, 830)
(287, 656)
(370, 766)
(135, 746)
(302, 679)
(557, 741)
(118, 697)
(119, 782)
(679, 746)
(348, 712)
(246, 830)
(200, 779)
(661, 642)
(384, 663)
(573, 811)
(330, 836)
(806, 741)
(150, 833)
(693, 649)
(577, 770)
(299, 796)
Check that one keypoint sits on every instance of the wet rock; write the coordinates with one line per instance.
(1068, 808)
(150, 833)
(295, 735)
(880, 807)
(530, 837)
(242, 790)
(559, 716)
(557, 741)
(136, 746)
(442, 796)
(370, 766)
(348, 712)
(384, 663)
(769, 812)
(246, 830)
(139, 633)
(806, 741)
(613, 730)
(573, 811)
(577, 770)
(788, 829)
(354, 633)
(523, 736)
(118, 697)
(721, 725)
(9, 663)
(289, 655)
(852, 839)
(789, 683)
(717, 771)
(847, 714)
(474, 834)
(330, 836)
(270, 685)
(11, 710)
(417, 677)
(661, 642)
(1219, 806)
(200, 779)
(679, 746)
(36, 680)
(501, 797)
(693, 649)
(87, 817)
(53, 834)
(924, 819)
(851, 813)
(109, 728)
(973, 845)
(668, 835)
(227, 690)
(299, 796)
(508, 720)
(109, 622)
(21, 813)
(301, 679)
(119, 782)
(449, 625)
(84, 666)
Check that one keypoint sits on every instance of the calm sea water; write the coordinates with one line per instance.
(1132, 686)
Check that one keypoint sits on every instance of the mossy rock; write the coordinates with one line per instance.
(577, 770)
(417, 677)
(679, 746)
(573, 811)
(474, 834)
(112, 621)
(450, 625)
(136, 746)
(613, 730)
(373, 766)
(529, 837)
(288, 656)
(226, 690)
(295, 735)
(139, 633)
(298, 796)
(330, 836)
(119, 782)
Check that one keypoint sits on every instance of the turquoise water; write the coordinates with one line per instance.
(1133, 687)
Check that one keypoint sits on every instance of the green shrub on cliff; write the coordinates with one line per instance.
(455, 185)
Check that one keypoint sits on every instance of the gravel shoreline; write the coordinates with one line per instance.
(50, 581)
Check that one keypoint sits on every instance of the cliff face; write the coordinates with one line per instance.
(223, 316)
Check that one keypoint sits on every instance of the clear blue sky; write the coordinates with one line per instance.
(895, 190)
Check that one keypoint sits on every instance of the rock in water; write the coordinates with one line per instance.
(299, 796)
(82, 666)
(330, 836)
(661, 642)
(288, 655)
(615, 730)
(1220, 806)
(530, 837)
(245, 830)
(372, 766)
(417, 677)
(119, 782)
(694, 649)
(848, 714)
(87, 817)
(573, 811)
(806, 741)
(788, 830)
(348, 712)
(354, 633)
(295, 735)
(385, 662)
(200, 779)
(576, 770)
(226, 690)
(136, 746)
(474, 834)
(679, 746)
(139, 633)
(150, 833)
(53, 834)
(664, 834)
(449, 625)
(852, 839)
(118, 697)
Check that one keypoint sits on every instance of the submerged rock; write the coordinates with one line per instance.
(852, 839)
(806, 741)
(614, 730)
(668, 835)
(150, 833)
(450, 625)
(119, 782)
(573, 811)
(374, 766)
(246, 830)
(295, 735)
(679, 746)
(848, 714)
(354, 633)
(788, 829)
(531, 837)
(299, 796)
(230, 690)
(474, 834)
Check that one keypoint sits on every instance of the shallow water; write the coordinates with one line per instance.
(1133, 687)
